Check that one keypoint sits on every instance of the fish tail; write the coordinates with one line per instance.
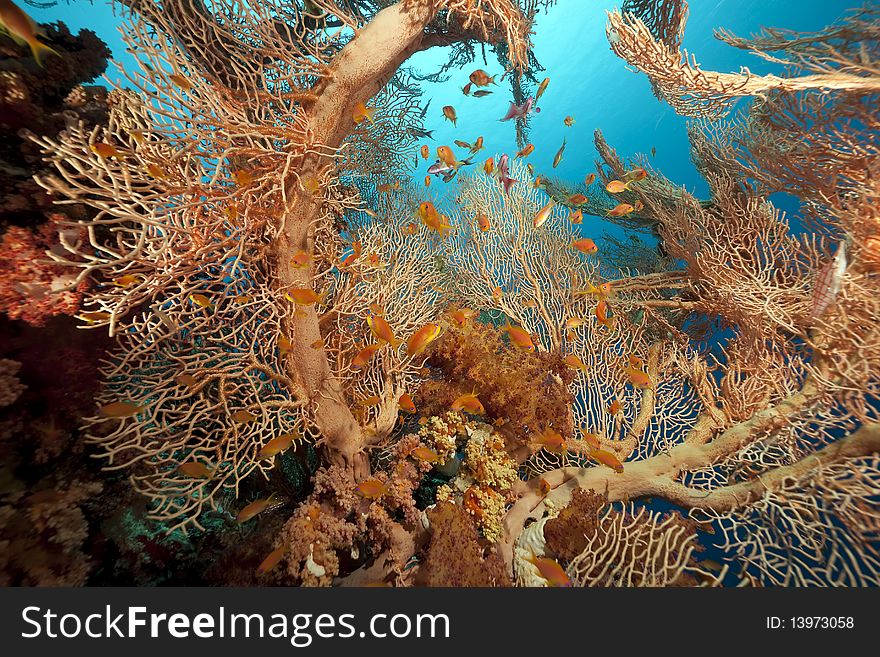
(40, 50)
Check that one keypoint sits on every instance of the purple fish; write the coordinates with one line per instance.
(521, 111)
(503, 176)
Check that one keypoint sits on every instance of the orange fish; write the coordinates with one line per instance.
(425, 454)
(446, 155)
(483, 222)
(382, 330)
(274, 558)
(527, 150)
(576, 217)
(156, 171)
(590, 179)
(477, 146)
(317, 344)
(615, 187)
(621, 210)
(362, 112)
(541, 89)
(303, 296)
(591, 439)
(635, 175)
(638, 378)
(195, 470)
(243, 416)
(574, 362)
(354, 255)
(420, 340)
(519, 338)
(180, 81)
(608, 459)
(636, 362)
(466, 89)
(543, 486)
(300, 260)
(184, 379)
(551, 571)
(127, 280)
(433, 219)
(574, 323)
(543, 214)
(410, 229)
(568, 121)
(201, 300)
(585, 245)
(425, 151)
(614, 408)
(364, 356)
(638, 206)
(242, 177)
(94, 316)
(406, 403)
(449, 113)
(119, 409)
(530, 303)
(21, 27)
(577, 199)
(105, 150)
(461, 316)
(427, 181)
(372, 400)
(489, 166)
(256, 507)
(481, 79)
(277, 445)
(372, 489)
(551, 440)
(468, 403)
(602, 315)
(496, 293)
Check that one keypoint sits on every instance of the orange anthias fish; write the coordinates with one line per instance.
(544, 486)
(411, 228)
(119, 409)
(362, 112)
(541, 89)
(425, 151)
(576, 217)
(242, 177)
(300, 260)
(243, 416)
(519, 338)
(277, 445)
(591, 439)
(638, 206)
(195, 469)
(589, 180)
(568, 121)
(543, 214)
(551, 440)
(466, 89)
(387, 188)
(372, 489)
(636, 362)
(551, 571)
(527, 150)
(184, 379)
(477, 146)
(483, 222)
(23, 29)
(573, 323)
(577, 199)
(303, 296)
(468, 403)
(481, 79)
(107, 151)
(574, 362)
(180, 81)
(420, 340)
(201, 300)
(433, 219)
(156, 171)
(364, 356)
(91, 316)
(608, 459)
(449, 113)
(446, 155)
(127, 280)
(462, 315)
(585, 245)
(621, 210)
(406, 404)
(616, 186)
(462, 144)
(256, 507)
(274, 558)
(427, 181)
(638, 378)
(614, 408)
(489, 166)
(425, 454)
(382, 330)
(635, 175)
(357, 247)
(497, 293)
(602, 315)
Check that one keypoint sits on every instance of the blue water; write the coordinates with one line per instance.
(588, 81)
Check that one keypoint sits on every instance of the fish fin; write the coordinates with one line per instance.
(508, 184)
(40, 50)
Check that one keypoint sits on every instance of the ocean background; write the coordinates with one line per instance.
(587, 81)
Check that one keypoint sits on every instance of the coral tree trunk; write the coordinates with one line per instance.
(359, 71)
